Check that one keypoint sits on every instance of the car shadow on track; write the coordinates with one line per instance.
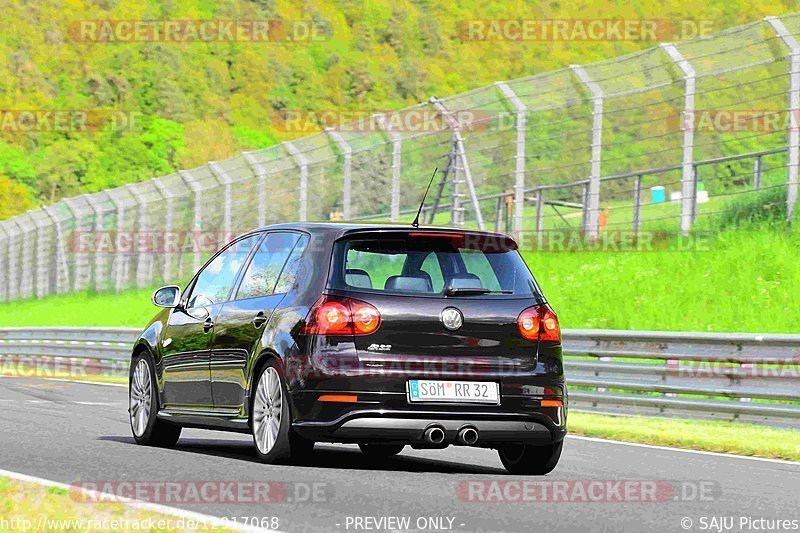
(337, 458)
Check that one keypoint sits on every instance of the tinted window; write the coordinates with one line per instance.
(292, 271)
(431, 266)
(434, 265)
(477, 264)
(262, 273)
(216, 280)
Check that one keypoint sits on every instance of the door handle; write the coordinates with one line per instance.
(207, 325)
(259, 320)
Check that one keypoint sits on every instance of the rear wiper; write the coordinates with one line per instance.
(456, 291)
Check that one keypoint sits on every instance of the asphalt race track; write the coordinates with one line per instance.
(66, 432)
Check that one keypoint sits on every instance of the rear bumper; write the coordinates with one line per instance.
(408, 427)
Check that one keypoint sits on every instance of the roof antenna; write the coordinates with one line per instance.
(416, 218)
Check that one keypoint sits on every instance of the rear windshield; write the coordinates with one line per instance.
(434, 264)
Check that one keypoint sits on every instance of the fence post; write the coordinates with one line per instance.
(120, 264)
(144, 258)
(637, 205)
(794, 108)
(302, 164)
(226, 181)
(688, 184)
(695, 181)
(168, 204)
(757, 173)
(347, 153)
(197, 215)
(26, 270)
(593, 195)
(539, 211)
(585, 210)
(43, 287)
(397, 153)
(12, 287)
(3, 258)
(62, 270)
(519, 167)
(77, 259)
(261, 173)
(540, 218)
(461, 155)
(98, 227)
(498, 214)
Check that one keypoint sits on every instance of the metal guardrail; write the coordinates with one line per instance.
(743, 376)
(733, 376)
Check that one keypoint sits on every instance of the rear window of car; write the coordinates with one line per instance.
(456, 264)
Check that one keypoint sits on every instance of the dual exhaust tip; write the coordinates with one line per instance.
(467, 435)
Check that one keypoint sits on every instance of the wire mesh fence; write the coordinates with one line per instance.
(675, 138)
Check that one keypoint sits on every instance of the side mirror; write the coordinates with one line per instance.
(169, 296)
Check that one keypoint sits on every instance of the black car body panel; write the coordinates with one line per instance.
(205, 376)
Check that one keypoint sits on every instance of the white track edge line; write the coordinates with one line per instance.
(685, 450)
(136, 504)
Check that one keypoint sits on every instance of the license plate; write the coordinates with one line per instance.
(423, 390)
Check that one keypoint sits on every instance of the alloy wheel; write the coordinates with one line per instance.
(141, 396)
(267, 408)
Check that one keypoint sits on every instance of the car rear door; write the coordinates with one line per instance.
(186, 340)
(241, 321)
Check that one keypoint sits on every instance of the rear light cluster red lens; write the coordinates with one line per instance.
(335, 315)
(539, 323)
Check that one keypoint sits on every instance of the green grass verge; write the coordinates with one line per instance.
(29, 503)
(712, 436)
(743, 282)
(127, 309)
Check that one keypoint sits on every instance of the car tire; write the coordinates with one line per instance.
(525, 459)
(270, 418)
(302, 448)
(380, 451)
(143, 406)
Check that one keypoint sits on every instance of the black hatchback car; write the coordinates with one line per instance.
(379, 335)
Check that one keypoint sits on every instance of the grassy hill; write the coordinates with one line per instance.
(192, 102)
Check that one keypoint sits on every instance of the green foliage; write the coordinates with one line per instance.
(200, 101)
(14, 198)
(749, 210)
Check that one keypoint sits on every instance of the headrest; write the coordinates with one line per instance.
(408, 283)
(357, 278)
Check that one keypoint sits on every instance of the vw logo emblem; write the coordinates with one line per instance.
(452, 318)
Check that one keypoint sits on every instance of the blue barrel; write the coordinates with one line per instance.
(658, 195)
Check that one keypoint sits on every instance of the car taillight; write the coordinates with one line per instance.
(539, 323)
(550, 330)
(528, 323)
(335, 315)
